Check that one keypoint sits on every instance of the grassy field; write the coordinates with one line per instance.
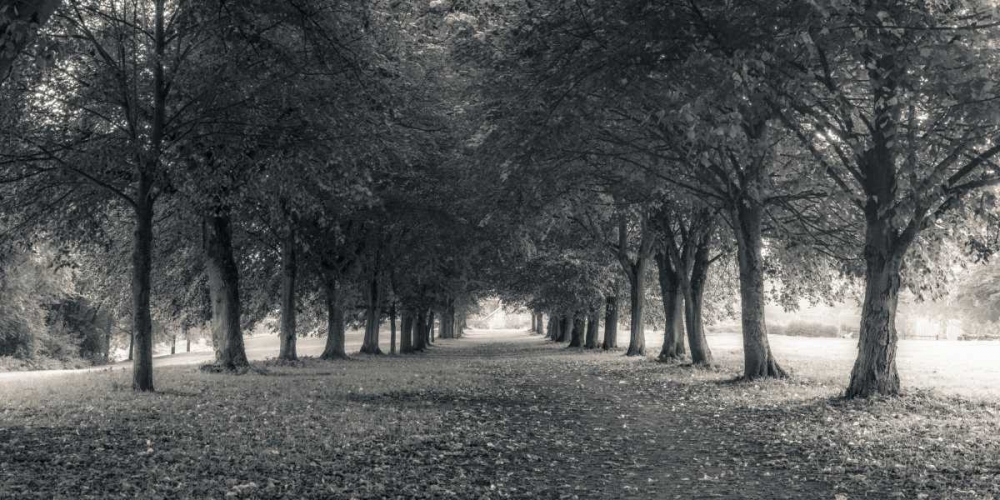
(969, 369)
(504, 415)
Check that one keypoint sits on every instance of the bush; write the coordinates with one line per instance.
(75, 329)
(42, 324)
(16, 337)
(12, 364)
(809, 329)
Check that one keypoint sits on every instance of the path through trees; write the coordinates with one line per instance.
(500, 414)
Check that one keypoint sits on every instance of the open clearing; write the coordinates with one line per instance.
(494, 415)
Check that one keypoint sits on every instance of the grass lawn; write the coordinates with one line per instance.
(506, 415)
(969, 369)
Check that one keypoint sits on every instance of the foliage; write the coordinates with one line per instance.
(44, 321)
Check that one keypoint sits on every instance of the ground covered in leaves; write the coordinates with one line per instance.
(493, 416)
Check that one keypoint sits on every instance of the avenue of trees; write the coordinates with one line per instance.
(338, 162)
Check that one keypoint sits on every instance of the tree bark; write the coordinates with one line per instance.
(610, 324)
(565, 328)
(579, 331)
(448, 321)
(107, 339)
(289, 270)
(406, 333)
(224, 287)
(335, 348)
(593, 328)
(420, 331)
(187, 338)
(688, 249)
(694, 294)
(758, 362)
(637, 335)
(430, 327)
(636, 271)
(131, 345)
(374, 317)
(142, 265)
(874, 370)
(553, 328)
(392, 328)
(673, 309)
(452, 321)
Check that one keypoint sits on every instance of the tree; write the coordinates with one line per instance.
(916, 139)
(635, 262)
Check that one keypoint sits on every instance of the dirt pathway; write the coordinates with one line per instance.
(494, 415)
(589, 428)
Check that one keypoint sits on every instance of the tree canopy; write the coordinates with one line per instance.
(591, 161)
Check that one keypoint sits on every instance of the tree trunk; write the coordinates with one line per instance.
(420, 331)
(392, 328)
(758, 362)
(452, 322)
(443, 334)
(553, 329)
(187, 338)
(374, 317)
(173, 344)
(579, 331)
(107, 339)
(694, 294)
(131, 345)
(610, 324)
(565, 329)
(874, 370)
(637, 336)
(593, 328)
(673, 310)
(289, 268)
(448, 321)
(224, 286)
(406, 333)
(430, 327)
(334, 348)
(142, 265)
